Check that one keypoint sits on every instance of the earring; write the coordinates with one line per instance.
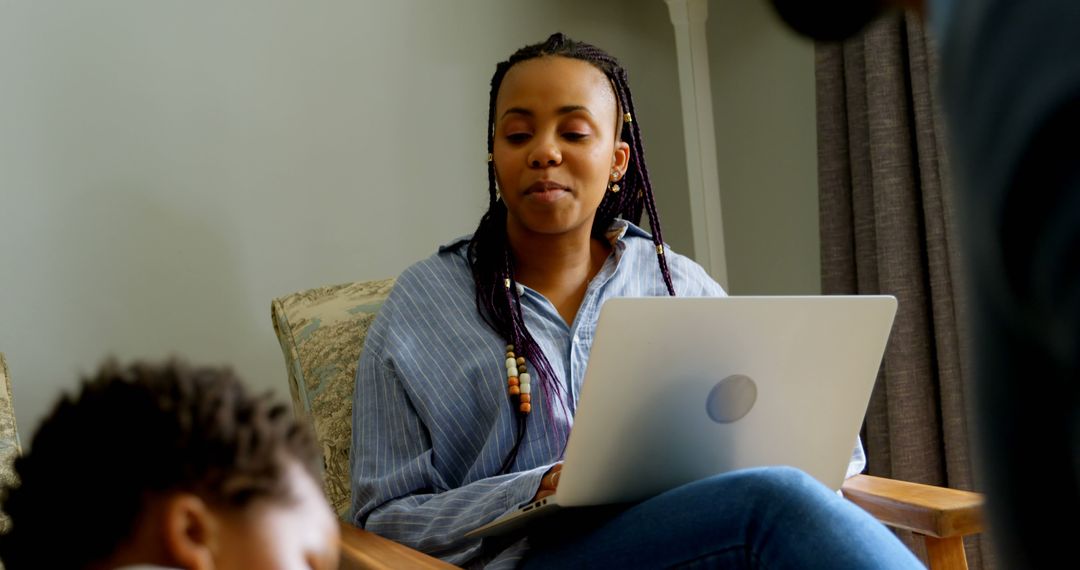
(614, 181)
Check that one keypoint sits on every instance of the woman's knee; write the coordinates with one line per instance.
(770, 484)
(758, 479)
(786, 477)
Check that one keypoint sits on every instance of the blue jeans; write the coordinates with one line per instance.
(774, 517)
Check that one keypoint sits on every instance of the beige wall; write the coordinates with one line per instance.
(166, 168)
(763, 97)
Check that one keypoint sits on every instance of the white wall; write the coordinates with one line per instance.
(166, 168)
(763, 106)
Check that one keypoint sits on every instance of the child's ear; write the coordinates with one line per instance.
(191, 532)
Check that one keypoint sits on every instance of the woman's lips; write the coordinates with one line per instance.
(546, 191)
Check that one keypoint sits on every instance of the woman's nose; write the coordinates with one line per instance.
(545, 154)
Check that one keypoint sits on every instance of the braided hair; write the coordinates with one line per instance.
(490, 256)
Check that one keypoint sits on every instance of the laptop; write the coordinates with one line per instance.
(678, 389)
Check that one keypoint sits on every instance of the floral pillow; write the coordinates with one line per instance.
(322, 332)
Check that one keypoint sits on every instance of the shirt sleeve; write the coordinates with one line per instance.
(397, 491)
(858, 460)
(691, 279)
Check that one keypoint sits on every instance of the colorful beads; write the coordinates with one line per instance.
(518, 382)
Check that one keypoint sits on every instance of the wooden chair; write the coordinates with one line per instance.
(361, 550)
(322, 331)
(942, 516)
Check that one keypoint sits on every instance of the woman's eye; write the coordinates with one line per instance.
(574, 136)
(517, 137)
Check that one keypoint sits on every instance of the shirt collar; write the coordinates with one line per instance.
(620, 228)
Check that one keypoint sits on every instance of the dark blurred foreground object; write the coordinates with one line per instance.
(829, 20)
(1010, 81)
(1010, 77)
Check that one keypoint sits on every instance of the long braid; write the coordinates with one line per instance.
(646, 191)
(490, 257)
(524, 341)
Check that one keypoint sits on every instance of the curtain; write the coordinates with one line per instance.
(887, 227)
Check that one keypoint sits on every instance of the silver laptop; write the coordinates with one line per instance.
(679, 389)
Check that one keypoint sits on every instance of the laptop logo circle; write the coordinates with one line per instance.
(731, 398)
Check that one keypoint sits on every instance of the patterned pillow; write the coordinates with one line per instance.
(322, 332)
(9, 437)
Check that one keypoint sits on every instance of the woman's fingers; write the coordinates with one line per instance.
(543, 493)
(549, 482)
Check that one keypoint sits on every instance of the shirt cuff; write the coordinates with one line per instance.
(525, 487)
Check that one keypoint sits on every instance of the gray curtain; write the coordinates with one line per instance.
(887, 226)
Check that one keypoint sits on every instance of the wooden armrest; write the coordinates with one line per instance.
(362, 549)
(933, 511)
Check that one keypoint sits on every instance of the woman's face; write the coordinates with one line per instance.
(555, 144)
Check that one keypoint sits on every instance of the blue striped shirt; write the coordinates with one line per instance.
(432, 423)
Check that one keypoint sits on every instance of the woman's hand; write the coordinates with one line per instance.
(549, 482)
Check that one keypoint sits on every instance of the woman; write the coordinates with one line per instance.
(469, 376)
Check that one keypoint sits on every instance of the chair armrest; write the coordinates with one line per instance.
(361, 549)
(933, 511)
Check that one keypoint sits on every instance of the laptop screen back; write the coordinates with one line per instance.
(678, 389)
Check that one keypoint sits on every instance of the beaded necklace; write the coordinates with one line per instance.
(517, 380)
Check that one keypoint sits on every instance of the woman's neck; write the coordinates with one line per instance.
(559, 267)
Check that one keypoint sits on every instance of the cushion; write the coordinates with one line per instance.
(9, 436)
(322, 332)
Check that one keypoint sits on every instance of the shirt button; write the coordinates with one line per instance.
(576, 339)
